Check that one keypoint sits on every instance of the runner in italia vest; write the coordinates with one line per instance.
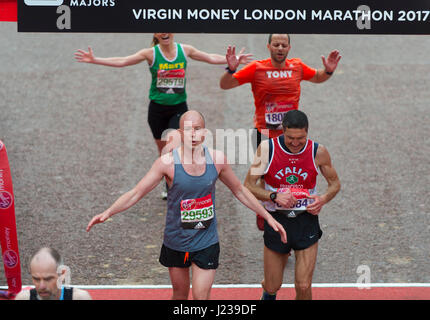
(296, 171)
(168, 77)
(191, 222)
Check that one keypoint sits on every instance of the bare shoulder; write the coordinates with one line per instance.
(166, 159)
(188, 48)
(23, 295)
(322, 157)
(146, 54)
(219, 159)
(218, 156)
(79, 294)
(165, 164)
(264, 147)
(262, 153)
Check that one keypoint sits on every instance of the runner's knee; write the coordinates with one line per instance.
(180, 293)
(303, 285)
(271, 288)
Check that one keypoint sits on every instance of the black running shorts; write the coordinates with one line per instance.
(207, 258)
(161, 117)
(302, 232)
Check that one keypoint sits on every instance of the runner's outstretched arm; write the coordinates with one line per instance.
(330, 65)
(228, 81)
(118, 62)
(214, 58)
(130, 198)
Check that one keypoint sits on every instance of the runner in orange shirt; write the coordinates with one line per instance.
(275, 84)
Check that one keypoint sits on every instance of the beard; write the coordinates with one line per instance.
(46, 295)
(278, 59)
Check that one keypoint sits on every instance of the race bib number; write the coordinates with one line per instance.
(275, 112)
(197, 213)
(171, 81)
(302, 196)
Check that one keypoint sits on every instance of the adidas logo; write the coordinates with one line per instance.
(200, 226)
(292, 214)
(170, 91)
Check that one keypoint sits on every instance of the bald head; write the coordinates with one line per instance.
(46, 257)
(193, 116)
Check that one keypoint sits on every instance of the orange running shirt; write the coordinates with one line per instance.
(276, 91)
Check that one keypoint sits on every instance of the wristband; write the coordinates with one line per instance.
(229, 70)
(273, 196)
(329, 73)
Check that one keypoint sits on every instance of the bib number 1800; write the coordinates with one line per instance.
(274, 118)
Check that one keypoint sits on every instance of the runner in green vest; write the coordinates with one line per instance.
(167, 62)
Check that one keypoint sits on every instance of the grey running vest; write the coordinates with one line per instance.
(191, 222)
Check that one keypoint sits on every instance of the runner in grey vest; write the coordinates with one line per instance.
(190, 239)
(191, 221)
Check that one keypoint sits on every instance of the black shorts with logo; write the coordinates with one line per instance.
(161, 117)
(302, 232)
(206, 258)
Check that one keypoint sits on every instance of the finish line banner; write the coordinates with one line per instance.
(240, 16)
(8, 235)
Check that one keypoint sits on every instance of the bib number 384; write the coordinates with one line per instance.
(197, 213)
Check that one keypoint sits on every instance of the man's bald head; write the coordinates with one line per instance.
(192, 129)
(46, 257)
(192, 116)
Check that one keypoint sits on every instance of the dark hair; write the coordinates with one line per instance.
(270, 38)
(295, 119)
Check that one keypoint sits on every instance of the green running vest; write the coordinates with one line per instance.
(168, 77)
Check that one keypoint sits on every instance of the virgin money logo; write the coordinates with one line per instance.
(188, 204)
(300, 194)
(5, 200)
(10, 259)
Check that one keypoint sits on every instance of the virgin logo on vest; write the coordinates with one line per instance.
(5, 200)
(188, 204)
(10, 259)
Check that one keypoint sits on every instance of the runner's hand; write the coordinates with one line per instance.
(102, 217)
(316, 206)
(83, 56)
(244, 58)
(278, 228)
(332, 60)
(232, 60)
(285, 199)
